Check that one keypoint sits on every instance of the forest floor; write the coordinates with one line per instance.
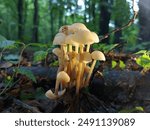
(111, 90)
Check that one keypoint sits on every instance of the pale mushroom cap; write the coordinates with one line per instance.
(98, 55)
(59, 39)
(64, 29)
(85, 57)
(49, 94)
(77, 26)
(95, 37)
(63, 77)
(57, 52)
(82, 37)
(70, 39)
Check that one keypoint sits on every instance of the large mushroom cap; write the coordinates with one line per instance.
(59, 39)
(98, 55)
(63, 76)
(70, 39)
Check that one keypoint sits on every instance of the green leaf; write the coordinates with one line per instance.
(141, 52)
(136, 109)
(122, 64)
(143, 61)
(113, 64)
(27, 73)
(40, 93)
(7, 44)
(55, 63)
(40, 55)
(2, 38)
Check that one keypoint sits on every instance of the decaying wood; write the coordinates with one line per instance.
(115, 84)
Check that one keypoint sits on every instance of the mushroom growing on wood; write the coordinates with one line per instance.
(62, 78)
(96, 55)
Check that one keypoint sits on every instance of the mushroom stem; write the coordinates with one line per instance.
(78, 78)
(87, 47)
(56, 86)
(70, 48)
(76, 49)
(90, 73)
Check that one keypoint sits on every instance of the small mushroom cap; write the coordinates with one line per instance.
(63, 77)
(59, 39)
(98, 55)
(85, 57)
(52, 96)
(95, 37)
(57, 52)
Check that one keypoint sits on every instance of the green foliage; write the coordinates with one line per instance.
(40, 93)
(144, 59)
(121, 64)
(26, 72)
(136, 109)
(55, 63)
(7, 44)
(113, 64)
(40, 55)
(104, 47)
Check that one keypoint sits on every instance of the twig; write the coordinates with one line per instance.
(131, 21)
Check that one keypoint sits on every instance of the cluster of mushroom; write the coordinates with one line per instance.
(76, 63)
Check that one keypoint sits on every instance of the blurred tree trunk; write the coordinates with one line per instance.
(118, 35)
(144, 20)
(93, 13)
(51, 19)
(85, 11)
(105, 15)
(20, 8)
(35, 22)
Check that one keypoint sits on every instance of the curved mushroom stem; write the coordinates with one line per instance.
(88, 48)
(56, 87)
(90, 73)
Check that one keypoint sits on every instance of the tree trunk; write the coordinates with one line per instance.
(118, 35)
(20, 6)
(35, 22)
(51, 19)
(104, 18)
(144, 20)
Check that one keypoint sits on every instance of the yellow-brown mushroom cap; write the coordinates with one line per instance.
(98, 55)
(63, 77)
(57, 52)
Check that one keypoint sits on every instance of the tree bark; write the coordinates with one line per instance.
(104, 18)
(35, 22)
(144, 20)
(20, 6)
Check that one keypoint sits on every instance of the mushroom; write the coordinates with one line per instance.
(52, 96)
(93, 39)
(62, 77)
(58, 53)
(96, 55)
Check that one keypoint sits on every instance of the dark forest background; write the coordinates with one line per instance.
(37, 21)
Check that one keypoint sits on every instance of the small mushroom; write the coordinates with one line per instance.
(52, 96)
(62, 77)
(96, 55)
(93, 39)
